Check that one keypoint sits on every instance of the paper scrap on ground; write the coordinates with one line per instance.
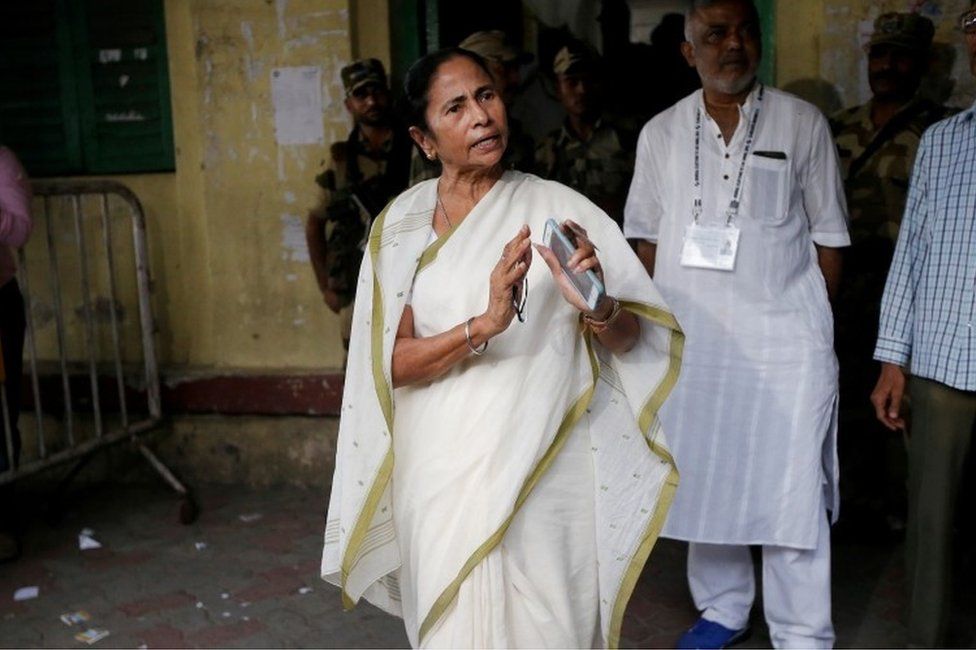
(250, 517)
(85, 540)
(92, 635)
(305, 590)
(199, 605)
(74, 618)
(200, 545)
(225, 595)
(26, 593)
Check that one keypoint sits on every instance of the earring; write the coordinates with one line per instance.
(431, 156)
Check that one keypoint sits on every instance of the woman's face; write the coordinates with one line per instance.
(465, 117)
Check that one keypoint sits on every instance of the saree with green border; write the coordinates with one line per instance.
(514, 500)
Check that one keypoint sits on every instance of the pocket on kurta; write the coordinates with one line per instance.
(769, 188)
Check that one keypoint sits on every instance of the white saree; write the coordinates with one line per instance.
(513, 501)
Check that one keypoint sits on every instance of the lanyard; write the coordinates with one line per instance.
(733, 210)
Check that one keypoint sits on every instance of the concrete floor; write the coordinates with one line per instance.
(246, 575)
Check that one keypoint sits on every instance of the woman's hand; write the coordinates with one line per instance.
(508, 272)
(422, 359)
(617, 331)
(582, 260)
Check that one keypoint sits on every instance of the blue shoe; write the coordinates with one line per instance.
(708, 634)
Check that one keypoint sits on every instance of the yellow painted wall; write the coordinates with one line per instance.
(371, 30)
(233, 287)
(798, 28)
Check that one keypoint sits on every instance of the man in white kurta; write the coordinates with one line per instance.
(753, 416)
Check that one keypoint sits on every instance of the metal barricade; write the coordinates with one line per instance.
(97, 370)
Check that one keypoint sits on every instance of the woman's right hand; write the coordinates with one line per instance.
(508, 272)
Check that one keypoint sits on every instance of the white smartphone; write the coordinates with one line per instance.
(587, 283)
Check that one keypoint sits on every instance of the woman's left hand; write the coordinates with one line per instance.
(582, 260)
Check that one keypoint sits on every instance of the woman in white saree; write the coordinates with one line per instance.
(498, 483)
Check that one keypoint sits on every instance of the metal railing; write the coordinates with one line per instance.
(64, 374)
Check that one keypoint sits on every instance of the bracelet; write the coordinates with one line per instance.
(598, 326)
(467, 335)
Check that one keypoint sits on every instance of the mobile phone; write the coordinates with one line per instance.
(587, 284)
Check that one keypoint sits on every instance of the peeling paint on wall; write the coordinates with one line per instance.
(293, 238)
(281, 6)
(248, 33)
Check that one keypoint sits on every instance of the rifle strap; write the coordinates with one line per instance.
(887, 132)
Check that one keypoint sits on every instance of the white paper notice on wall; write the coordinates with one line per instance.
(296, 93)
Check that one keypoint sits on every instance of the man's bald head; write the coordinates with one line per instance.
(697, 5)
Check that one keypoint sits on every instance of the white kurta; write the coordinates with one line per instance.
(752, 419)
(512, 501)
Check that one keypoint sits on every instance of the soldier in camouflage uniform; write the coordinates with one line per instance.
(505, 63)
(363, 173)
(590, 152)
(877, 143)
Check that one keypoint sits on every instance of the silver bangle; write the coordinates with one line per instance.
(467, 335)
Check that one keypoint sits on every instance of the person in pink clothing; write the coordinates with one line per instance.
(15, 228)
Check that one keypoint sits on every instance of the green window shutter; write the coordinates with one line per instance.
(123, 86)
(407, 36)
(38, 105)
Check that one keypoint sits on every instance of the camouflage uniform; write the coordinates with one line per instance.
(599, 168)
(357, 184)
(878, 188)
(354, 195)
(876, 166)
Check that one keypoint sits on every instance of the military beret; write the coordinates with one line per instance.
(362, 72)
(908, 31)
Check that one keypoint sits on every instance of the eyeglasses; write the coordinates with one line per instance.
(520, 297)
(967, 22)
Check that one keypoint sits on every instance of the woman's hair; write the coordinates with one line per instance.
(416, 85)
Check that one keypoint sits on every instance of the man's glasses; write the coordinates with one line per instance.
(967, 22)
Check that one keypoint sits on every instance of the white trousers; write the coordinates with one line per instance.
(795, 583)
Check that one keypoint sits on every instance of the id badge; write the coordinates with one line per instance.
(710, 247)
